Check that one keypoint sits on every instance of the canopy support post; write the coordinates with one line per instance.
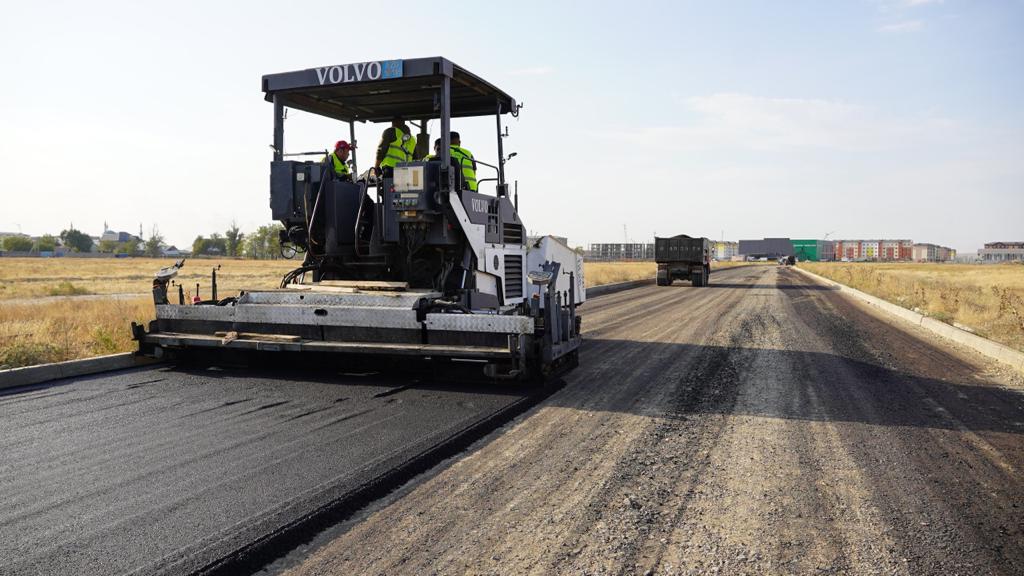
(278, 129)
(446, 131)
(352, 142)
(501, 150)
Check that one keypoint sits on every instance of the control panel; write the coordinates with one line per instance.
(412, 191)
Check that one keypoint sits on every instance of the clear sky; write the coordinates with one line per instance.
(860, 118)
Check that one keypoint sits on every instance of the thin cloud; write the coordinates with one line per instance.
(784, 125)
(902, 27)
(889, 6)
(535, 71)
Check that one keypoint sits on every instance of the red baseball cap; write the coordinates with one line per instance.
(343, 145)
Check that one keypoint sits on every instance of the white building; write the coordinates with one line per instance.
(933, 253)
(1002, 252)
(725, 250)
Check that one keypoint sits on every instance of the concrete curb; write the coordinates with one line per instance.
(987, 347)
(617, 287)
(45, 372)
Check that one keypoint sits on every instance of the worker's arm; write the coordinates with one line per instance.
(382, 149)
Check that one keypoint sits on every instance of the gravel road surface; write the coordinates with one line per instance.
(764, 424)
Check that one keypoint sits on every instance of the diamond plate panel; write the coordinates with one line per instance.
(309, 297)
(306, 315)
(480, 323)
(215, 313)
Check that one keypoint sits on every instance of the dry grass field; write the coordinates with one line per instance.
(988, 299)
(33, 277)
(55, 309)
(598, 273)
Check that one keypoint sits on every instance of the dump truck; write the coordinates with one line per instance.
(683, 257)
(406, 262)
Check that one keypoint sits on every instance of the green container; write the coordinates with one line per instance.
(807, 250)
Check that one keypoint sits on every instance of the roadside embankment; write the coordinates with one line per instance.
(990, 348)
(987, 300)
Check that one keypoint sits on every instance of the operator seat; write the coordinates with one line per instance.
(460, 178)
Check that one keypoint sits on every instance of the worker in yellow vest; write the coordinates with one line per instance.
(339, 160)
(460, 157)
(397, 144)
(465, 160)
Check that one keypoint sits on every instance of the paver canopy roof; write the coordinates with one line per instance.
(378, 91)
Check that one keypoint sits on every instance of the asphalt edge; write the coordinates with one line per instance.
(603, 289)
(258, 554)
(30, 375)
(984, 346)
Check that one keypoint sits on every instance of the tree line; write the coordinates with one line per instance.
(264, 243)
(261, 244)
(75, 240)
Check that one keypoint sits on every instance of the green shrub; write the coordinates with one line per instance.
(66, 288)
(28, 354)
(103, 342)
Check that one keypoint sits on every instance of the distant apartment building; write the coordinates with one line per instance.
(895, 249)
(882, 250)
(1002, 252)
(725, 250)
(814, 250)
(621, 251)
(869, 248)
(933, 253)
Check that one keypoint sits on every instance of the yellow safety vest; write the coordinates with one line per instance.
(400, 150)
(340, 167)
(465, 159)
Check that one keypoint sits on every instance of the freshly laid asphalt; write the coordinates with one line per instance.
(165, 470)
